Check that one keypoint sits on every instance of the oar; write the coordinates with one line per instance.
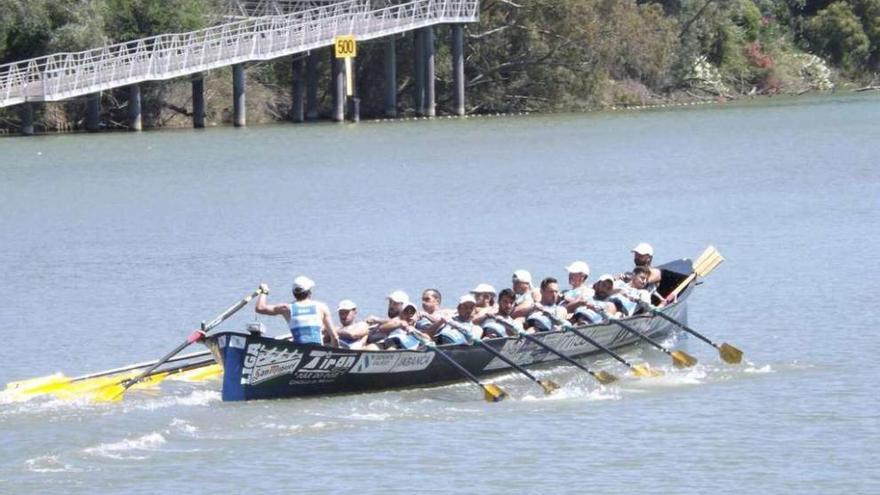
(602, 376)
(639, 370)
(194, 337)
(549, 386)
(706, 262)
(52, 383)
(110, 389)
(680, 359)
(491, 392)
(728, 353)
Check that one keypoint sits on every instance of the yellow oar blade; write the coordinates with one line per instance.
(730, 354)
(604, 377)
(643, 371)
(709, 251)
(682, 359)
(199, 374)
(36, 386)
(493, 393)
(91, 387)
(710, 264)
(549, 386)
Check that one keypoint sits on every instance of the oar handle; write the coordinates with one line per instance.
(194, 337)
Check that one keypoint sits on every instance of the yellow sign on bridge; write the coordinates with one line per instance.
(345, 46)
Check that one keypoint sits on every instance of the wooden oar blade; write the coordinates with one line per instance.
(643, 371)
(711, 264)
(604, 377)
(493, 393)
(709, 251)
(549, 386)
(682, 359)
(730, 354)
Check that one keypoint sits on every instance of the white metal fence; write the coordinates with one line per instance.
(66, 75)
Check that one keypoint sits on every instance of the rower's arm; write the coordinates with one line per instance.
(264, 308)
(655, 276)
(354, 332)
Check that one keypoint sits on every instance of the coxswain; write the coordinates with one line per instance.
(550, 310)
(309, 320)
(526, 295)
(352, 334)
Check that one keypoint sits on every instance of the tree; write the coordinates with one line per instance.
(837, 32)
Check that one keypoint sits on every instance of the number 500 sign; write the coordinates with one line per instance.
(345, 46)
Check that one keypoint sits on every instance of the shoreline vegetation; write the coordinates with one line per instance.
(525, 56)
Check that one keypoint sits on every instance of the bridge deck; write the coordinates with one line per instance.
(66, 75)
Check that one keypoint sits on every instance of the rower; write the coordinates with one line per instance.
(463, 318)
(549, 302)
(632, 294)
(526, 295)
(601, 304)
(484, 294)
(396, 301)
(309, 320)
(400, 329)
(352, 334)
(643, 255)
(431, 318)
(491, 327)
(578, 273)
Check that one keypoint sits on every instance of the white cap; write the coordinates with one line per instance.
(399, 296)
(409, 305)
(619, 284)
(483, 289)
(643, 248)
(522, 276)
(467, 298)
(579, 267)
(346, 304)
(303, 284)
(606, 276)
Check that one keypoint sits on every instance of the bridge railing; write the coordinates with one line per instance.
(65, 75)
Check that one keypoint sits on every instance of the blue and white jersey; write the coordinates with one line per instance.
(541, 322)
(525, 297)
(404, 340)
(306, 323)
(492, 329)
(582, 292)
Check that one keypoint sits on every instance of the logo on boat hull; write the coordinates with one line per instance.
(262, 363)
(323, 367)
(392, 362)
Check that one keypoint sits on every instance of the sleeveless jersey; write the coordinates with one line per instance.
(305, 323)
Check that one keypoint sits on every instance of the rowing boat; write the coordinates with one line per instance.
(259, 367)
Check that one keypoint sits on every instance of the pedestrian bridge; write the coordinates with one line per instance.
(279, 29)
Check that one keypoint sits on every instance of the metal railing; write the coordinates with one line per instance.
(66, 75)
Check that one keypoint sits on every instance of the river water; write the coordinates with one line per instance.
(114, 246)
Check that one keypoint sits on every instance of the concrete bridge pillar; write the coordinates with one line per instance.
(338, 87)
(390, 78)
(239, 112)
(429, 104)
(93, 112)
(312, 86)
(198, 94)
(419, 52)
(297, 108)
(27, 119)
(135, 119)
(458, 68)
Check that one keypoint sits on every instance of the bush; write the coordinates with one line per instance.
(837, 32)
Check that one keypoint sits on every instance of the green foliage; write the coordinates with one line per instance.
(128, 20)
(837, 33)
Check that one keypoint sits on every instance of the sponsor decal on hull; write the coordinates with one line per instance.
(523, 352)
(392, 362)
(262, 363)
(323, 367)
